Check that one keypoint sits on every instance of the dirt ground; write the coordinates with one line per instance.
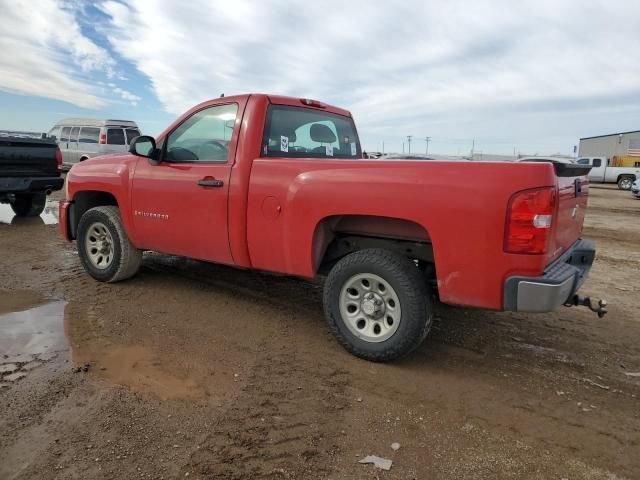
(201, 371)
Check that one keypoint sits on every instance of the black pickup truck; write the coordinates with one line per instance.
(29, 171)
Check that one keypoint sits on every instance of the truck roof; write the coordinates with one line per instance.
(284, 100)
(94, 122)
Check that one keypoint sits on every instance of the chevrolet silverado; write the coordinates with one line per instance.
(280, 184)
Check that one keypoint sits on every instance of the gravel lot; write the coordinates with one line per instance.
(201, 371)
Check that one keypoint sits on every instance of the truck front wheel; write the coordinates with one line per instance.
(104, 247)
(377, 304)
(29, 205)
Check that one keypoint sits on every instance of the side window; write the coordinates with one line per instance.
(131, 134)
(203, 137)
(73, 137)
(597, 162)
(64, 136)
(115, 136)
(89, 135)
(55, 132)
(583, 161)
(309, 133)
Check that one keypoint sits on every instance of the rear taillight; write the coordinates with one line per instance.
(58, 158)
(529, 221)
(103, 138)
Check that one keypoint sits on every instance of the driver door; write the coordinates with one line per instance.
(180, 204)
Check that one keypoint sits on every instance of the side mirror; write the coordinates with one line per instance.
(143, 146)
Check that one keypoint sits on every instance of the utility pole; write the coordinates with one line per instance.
(402, 147)
(383, 147)
(427, 139)
(473, 146)
(409, 137)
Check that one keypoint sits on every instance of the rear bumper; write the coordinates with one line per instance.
(30, 184)
(560, 281)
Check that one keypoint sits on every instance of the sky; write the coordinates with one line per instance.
(530, 77)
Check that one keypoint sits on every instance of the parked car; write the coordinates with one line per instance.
(603, 172)
(83, 138)
(29, 171)
(291, 193)
(635, 188)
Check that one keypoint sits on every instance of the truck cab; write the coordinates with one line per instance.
(598, 166)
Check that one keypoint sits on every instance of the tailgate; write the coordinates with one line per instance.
(573, 191)
(28, 157)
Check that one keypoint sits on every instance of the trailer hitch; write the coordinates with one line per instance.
(578, 300)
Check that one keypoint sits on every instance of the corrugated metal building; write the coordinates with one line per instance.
(615, 144)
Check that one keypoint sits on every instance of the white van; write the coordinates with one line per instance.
(602, 172)
(83, 138)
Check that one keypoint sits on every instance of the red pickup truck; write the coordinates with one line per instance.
(280, 184)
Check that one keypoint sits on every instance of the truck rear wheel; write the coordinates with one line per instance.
(624, 183)
(29, 205)
(377, 304)
(104, 247)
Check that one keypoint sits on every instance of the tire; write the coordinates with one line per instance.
(29, 205)
(102, 227)
(412, 310)
(624, 183)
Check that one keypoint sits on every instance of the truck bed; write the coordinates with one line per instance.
(28, 157)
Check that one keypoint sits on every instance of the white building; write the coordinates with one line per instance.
(615, 144)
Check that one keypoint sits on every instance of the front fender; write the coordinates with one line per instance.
(90, 181)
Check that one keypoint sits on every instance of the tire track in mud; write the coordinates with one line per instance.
(282, 425)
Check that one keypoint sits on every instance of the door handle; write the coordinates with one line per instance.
(210, 183)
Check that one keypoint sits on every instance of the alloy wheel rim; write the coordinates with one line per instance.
(99, 245)
(370, 307)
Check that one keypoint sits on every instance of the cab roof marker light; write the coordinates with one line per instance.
(313, 103)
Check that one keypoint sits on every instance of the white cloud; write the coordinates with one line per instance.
(44, 53)
(125, 95)
(536, 71)
(406, 67)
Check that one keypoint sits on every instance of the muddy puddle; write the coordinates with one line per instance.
(31, 333)
(35, 331)
(48, 217)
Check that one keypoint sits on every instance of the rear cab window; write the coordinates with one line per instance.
(300, 132)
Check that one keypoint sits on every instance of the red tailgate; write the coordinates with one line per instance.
(572, 203)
